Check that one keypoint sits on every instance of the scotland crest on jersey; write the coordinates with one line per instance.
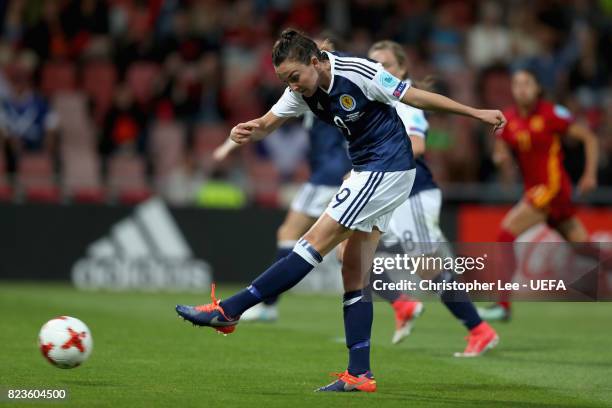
(347, 102)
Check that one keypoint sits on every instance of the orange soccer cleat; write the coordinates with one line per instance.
(406, 311)
(211, 315)
(346, 383)
(480, 339)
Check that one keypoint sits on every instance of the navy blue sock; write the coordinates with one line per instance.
(358, 316)
(281, 276)
(459, 303)
(281, 252)
(389, 295)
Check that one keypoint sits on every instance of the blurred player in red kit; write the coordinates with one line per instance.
(533, 137)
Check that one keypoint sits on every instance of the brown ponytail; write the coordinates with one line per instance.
(295, 46)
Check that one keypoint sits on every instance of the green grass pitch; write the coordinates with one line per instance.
(550, 355)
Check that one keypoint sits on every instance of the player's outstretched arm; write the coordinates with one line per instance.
(588, 181)
(256, 129)
(431, 101)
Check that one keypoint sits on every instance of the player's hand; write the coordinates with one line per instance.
(586, 184)
(492, 117)
(243, 132)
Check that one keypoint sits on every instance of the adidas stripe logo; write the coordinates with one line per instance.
(145, 251)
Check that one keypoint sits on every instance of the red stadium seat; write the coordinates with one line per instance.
(206, 139)
(36, 177)
(265, 181)
(167, 147)
(126, 179)
(75, 123)
(82, 177)
(58, 76)
(99, 81)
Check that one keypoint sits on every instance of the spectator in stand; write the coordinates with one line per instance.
(556, 54)
(414, 23)
(47, 37)
(242, 28)
(207, 21)
(369, 15)
(522, 27)
(12, 26)
(588, 76)
(210, 78)
(124, 126)
(446, 40)
(182, 39)
(27, 122)
(488, 41)
(175, 92)
(84, 19)
(6, 56)
(137, 42)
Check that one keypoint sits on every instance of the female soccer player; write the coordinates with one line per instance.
(416, 223)
(354, 94)
(533, 136)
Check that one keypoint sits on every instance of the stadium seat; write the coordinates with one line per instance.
(126, 179)
(167, 148)
(207, 137)
(75, 123)
(36, 178)
(58, 76)
(69, 104)
(82, 177)
(99, 81)
(240, 109)
(265, 181)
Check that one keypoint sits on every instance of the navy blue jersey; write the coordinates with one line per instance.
(327, 157)
(359, 102)
(416, 124)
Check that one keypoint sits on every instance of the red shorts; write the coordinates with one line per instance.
(557, 204)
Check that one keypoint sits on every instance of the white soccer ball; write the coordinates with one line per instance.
(65, 342)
